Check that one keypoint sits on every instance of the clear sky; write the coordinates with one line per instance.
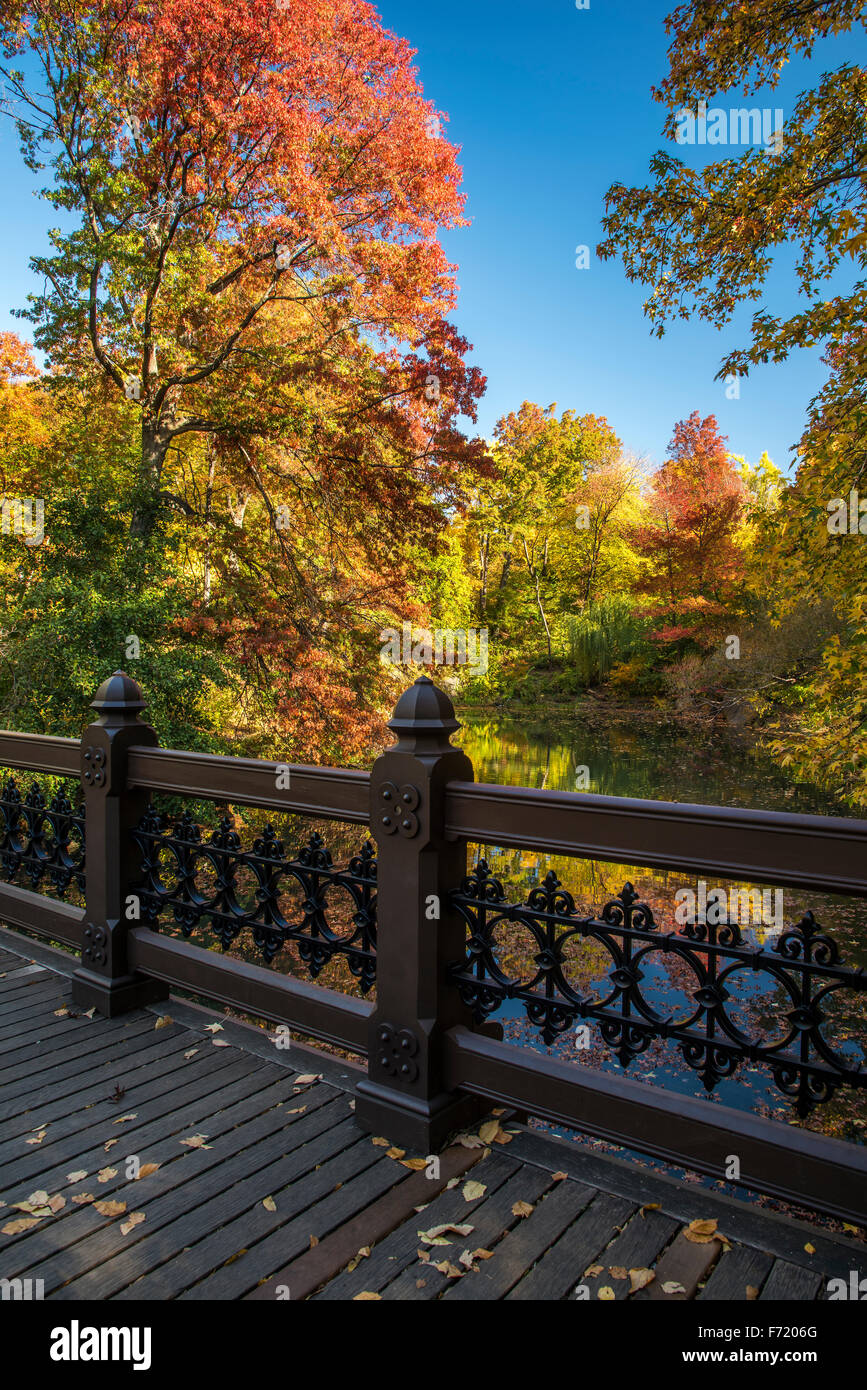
(550, 104)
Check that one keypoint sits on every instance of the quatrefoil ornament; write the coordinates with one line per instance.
(397, 1051)
(94, 770)
(397, 809)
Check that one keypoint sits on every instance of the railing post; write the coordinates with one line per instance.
(403, 1096)
(103, 979)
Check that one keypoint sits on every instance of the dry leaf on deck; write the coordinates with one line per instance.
(269, 1204)
(135, 1219)
(700, 1232)
(367, 1297)
(192, 1052)
(122, 1121)
(521, 1208)
(195, 1141)
(105, 1174)
(381, 1143)
(81, 1198)
(640, 1278)
(213, 1028)
(78, 1176)
(146, 1169)
(163, 1021)
(307, 1079)
(395, 1153)
(671, 1286)
(109, 1144)
(488, 1130)
(471, 1191)
(14, 1228)
(606, 1294)
(559, 1177)
(752, 1292)
(592, 1270)
(110, 1208)
(417, 1164)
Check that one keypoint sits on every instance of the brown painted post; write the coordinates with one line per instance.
(403, 1097)
(103, 979)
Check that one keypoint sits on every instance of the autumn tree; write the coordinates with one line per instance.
(694, 509)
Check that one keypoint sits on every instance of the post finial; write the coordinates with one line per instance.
(424, 718)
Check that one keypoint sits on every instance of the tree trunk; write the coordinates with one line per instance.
(156, 436)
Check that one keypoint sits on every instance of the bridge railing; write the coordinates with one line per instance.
(90, 861)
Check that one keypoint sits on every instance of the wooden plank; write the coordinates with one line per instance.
(491, 1221)
(738, 1269)
(684, 1263)
(791, 1283)
(229, 1256)
(319, 1219)
(82, 1050)
(251, 1115)
(637, 1247)
(212, 1194)
(559, 1270)
(22, 972)
(523, 1245)
(389, 1257)
(29, 1168)
(304, 1275)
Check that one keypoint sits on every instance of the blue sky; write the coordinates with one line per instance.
(550, 104)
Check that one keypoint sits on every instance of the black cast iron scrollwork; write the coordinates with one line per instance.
(176, 860)
(804, 963)
(40, 840)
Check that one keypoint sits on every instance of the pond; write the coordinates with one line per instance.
(640, 755)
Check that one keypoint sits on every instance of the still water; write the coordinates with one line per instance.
(643, 757)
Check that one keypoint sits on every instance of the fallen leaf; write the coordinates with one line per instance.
(106, 1174)
(451, 1271)
(146, 1169)
(421, 1283)
(395, 1153)
(110, 1208)
(314, 1241)
(57, 1203)
(367, 1297)
(61, 1013)
(381, 1143)
(299, 1110)
(163, 1021)
(122, 1121)
(424, 1256)
(810, 1249)
(488, 1130)
(435, 1236)
(592, 1270)
(649, 1206)
(218, 1042)
(214, 1028)
(78, 1176)
(417, 1164)
(752, 1292)
(640, 1278)
(192, 1052)
(452, 1182)
(24, 1223)
(195, 1141)
(469, 1141)
(700, 1232)
(109, 1144)
(306, 1080)
(672, 1286)
(521, 1208)
(135, 1219)
(606, 1293)
(38, 1138)
(559, 1177)
(269, 1204)
(471, 1191)
(503, 1137)
(81, 1198)
(618, 1272)
(90, 1012)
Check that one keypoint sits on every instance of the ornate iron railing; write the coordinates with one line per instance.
(804, 964)
(41, 841)
(197, 880)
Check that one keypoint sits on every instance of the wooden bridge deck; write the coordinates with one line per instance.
(266, 1187)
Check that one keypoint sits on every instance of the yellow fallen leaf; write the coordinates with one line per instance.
(78, 1176)
(306, 1080)
(395, 1153)
(469, 1141)
(299, 1110)
(214, 1028)
(592, 1270)
(752, 1293)
(640, 1278)
(482, 1254)
(57, 1203)
(367, 1297)
(451, 1271)
(14, 1228)
(503, 1137)
(417, 1164)
(61, 1013)
(488, 1130)
(436, 1234)
(381, 1143)
(521, 1208)
(700, 1232)
(110, 1208)
(618, 1272)
(559, 1177)
(109, 1144)
(606, 1293)
(122, 1121)
(195, 1141)
(163, 1021)
(135, 1219)
(38, 1138)
(218, 1042)
(472, 1191)
(672, 1286)
(269, 1204)
(90, 1012)
(81, 1198)
(649, 1206)
(192, 1052)
(105, 1174)
(146, 1169)
(810, 1249)
(314, 1241)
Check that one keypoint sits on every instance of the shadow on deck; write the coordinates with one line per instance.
(264, 1187)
